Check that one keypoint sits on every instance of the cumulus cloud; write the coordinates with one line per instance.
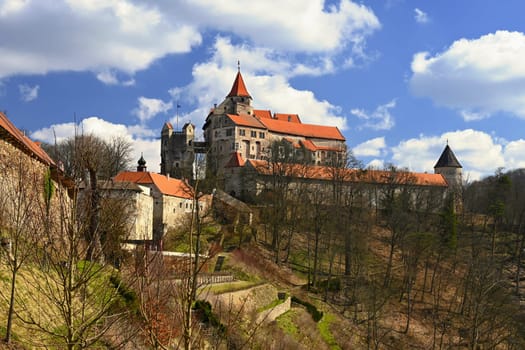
(142, 139)
(513, 154)
(88, 35)
(420, 16)
(336, 26)
(477, 77)
(128, 35)
(28, 93)
(479, 153)
(376, 164)
(266, 78)
(11, 7)
(110, 77)
(379, 119)
(371, 148)
(150, 107)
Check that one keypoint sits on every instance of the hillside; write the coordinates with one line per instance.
(429, 281)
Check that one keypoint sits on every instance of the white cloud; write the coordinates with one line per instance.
(279, 24)
(28, 93)
(371, 148)
(513, 154)
(150, 107)
(379, 119)
(266, 79)
(128, 35)
(143, 140)
(376, 164)
(479, 153)
(89, 35)
(477, 77)
(11, 7)
(420, 16)
(110, 77)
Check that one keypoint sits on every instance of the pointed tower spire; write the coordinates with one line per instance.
(448, 159)
(450, 168)
(238, 88)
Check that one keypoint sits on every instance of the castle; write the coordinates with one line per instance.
(239, 139)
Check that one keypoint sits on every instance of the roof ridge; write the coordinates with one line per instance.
(25, 141)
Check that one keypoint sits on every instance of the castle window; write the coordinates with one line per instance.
(236, 145)
(229, 132)
(242, 132)
(281, 152)
(253, 134)
(261, 135)
(180, 205)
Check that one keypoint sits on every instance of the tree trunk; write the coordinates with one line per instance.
(11, 304)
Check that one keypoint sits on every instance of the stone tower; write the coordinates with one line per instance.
(449, 166)
(218, 128)
(177, 153)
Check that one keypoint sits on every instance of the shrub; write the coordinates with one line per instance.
(312, 310)
(332, 284)
(127, 294)
(207, 316)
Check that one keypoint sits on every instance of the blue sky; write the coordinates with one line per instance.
(398, 77)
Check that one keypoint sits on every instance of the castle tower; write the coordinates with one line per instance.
(176, 151)
(141, 164)
(449, 166)
(216, 133)
(238, 101)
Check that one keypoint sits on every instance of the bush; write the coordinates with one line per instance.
(332, 284)
(207, 316)
(127, 294)
(312, 310)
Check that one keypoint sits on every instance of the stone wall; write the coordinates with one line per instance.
(271, 314)
(23, 208)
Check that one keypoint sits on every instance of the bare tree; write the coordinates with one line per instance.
(75, 303)
(90, 158)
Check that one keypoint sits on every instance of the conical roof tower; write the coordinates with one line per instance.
(447, 159)
(450, 168)
(238, 87)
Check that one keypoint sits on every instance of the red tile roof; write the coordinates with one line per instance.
(235, 161)
(246, 120)
(13, 135)
(238, 88)
(291, 118)
(351, 175)
(309, 145)
(306, 130)
(292, 141)
(262, 113)
(166, 185)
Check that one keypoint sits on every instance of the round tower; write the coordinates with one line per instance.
(449, 166)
